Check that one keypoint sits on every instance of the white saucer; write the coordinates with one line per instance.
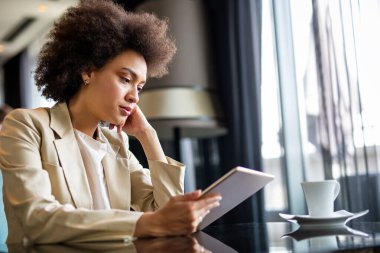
(339, 218)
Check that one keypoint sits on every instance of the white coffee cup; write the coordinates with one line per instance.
(320, 196)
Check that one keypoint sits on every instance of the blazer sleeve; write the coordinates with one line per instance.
(153, 187)
(28, 195)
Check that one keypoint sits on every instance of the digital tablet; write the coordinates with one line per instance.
(235, 186)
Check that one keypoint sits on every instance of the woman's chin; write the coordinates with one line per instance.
(117, 121)
(121, 121)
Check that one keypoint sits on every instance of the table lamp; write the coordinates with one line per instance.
(177, 112)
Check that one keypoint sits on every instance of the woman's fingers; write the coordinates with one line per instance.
(205, 207)
(112, 126)
(208, 203)
(118, 127)
(183, 214)
(196, 196)
(199, 206)
(188, 196)
(201, 216)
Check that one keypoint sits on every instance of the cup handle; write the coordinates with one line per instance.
(337, 189)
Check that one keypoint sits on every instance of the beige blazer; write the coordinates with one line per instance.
(47, 197)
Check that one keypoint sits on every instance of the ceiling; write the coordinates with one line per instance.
(24, 21)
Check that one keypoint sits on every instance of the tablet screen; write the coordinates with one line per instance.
(235, 186)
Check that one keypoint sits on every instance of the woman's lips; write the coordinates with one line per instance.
(125, 110)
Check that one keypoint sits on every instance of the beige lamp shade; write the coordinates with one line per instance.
(192, 111)
(179, 103)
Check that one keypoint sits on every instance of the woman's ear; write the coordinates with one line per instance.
(86, 75)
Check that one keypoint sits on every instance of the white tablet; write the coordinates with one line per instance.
(235, 186)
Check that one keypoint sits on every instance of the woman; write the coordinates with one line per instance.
(66, 178)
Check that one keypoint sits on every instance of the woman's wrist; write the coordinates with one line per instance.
(151, 145)
(149, 224)
(146, 134)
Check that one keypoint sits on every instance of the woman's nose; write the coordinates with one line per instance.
(132, 96)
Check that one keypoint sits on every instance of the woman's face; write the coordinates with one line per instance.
(113, 91)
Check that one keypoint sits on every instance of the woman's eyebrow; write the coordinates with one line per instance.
(134, 74)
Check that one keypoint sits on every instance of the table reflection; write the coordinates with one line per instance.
(247, 237)
(269, 237)
(185, 244)
(323, 239)
(303, 233)
(198, 242)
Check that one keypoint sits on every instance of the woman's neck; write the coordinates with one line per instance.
(81, 117)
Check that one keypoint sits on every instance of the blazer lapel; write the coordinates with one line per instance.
(70, 157)
(117, 176)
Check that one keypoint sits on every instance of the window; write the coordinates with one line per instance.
(335, 56)
(272, 151)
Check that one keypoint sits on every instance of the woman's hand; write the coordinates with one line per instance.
(180, 216)
(136, 124)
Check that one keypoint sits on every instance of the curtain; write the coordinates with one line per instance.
(235, 27)
(346, 52)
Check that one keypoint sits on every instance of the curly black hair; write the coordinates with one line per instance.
(91, 34)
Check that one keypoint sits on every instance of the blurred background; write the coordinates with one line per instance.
(287, 87)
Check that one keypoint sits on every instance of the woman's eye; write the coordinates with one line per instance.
(125, 80)
(139, 89)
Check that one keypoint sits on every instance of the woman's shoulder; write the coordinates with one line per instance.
(27, 118)
(22, 114)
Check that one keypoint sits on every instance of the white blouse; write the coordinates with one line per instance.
(93, 151)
